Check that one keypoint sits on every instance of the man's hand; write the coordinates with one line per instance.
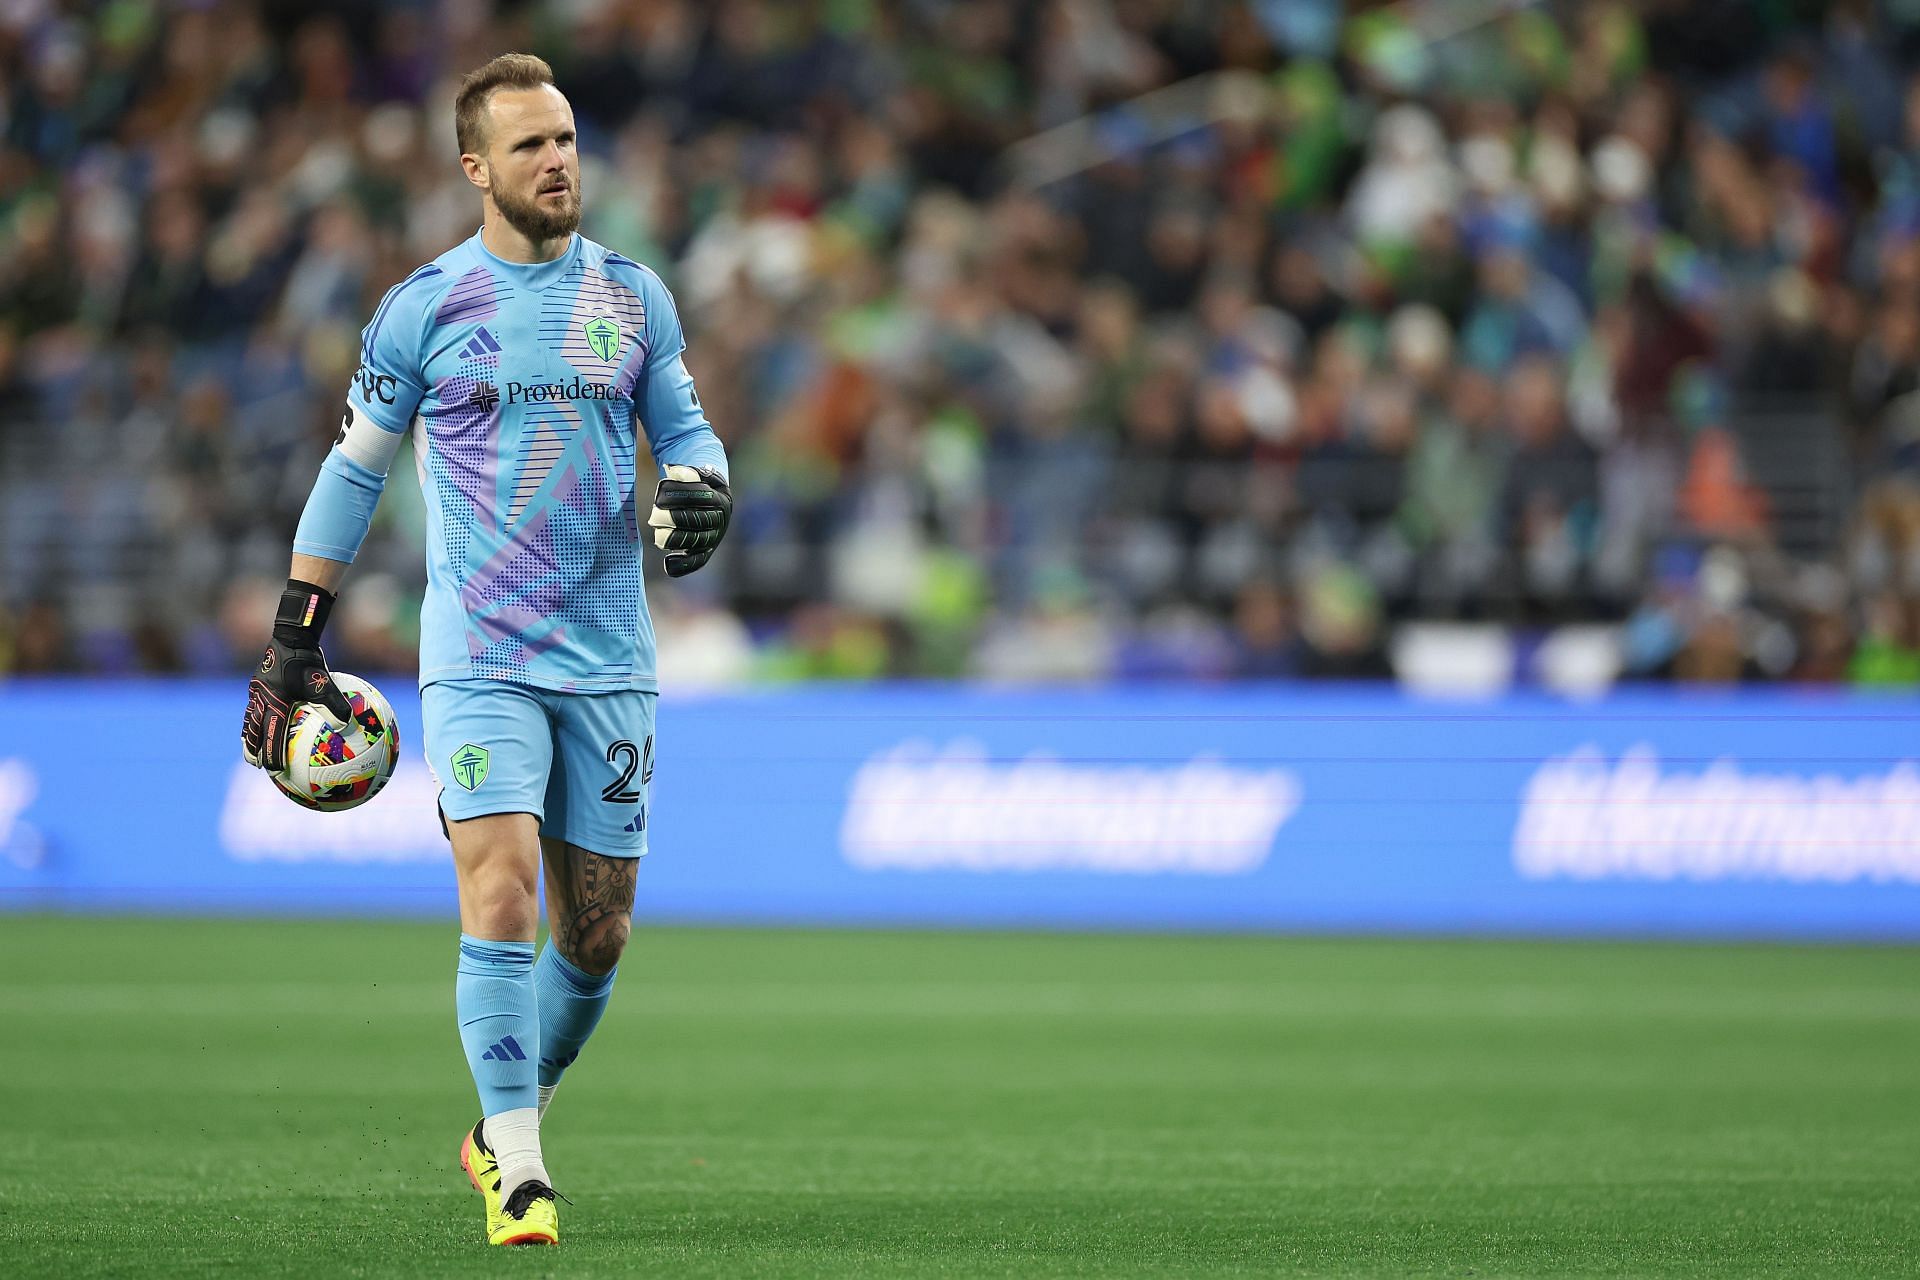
(691, 510)
(292, 671)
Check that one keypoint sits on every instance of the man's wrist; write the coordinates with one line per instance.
(302, 616)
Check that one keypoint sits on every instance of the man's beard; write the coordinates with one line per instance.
(539, 222)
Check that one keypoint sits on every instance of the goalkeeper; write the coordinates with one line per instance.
(524, 359)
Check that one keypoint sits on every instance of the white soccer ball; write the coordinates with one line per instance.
(333, 766)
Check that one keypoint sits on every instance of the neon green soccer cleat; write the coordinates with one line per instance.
(530, 1215)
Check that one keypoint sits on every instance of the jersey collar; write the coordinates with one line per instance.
(534, 277)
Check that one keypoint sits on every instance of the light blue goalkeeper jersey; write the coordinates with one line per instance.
(523, 385)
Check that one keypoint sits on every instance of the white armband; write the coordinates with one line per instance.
(367, 442)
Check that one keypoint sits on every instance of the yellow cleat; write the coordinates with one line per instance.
(483, 1171)
(529, 1215)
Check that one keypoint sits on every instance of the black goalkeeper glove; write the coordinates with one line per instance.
(691, 509)
(292, 671)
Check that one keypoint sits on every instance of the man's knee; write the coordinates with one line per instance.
(597, 948)
(501, 902)
(498, 867)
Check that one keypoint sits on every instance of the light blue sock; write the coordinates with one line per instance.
(571, 1002)
(499, 1021)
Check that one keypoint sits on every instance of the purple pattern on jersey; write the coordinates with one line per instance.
(630, 370)
(534, 582)
(474, 296)
(600, 499)
(529, 553)
(500, 617)
(603, 497)
(522, 587)
(548, 431)
(463, 429)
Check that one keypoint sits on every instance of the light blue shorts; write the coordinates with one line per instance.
(581, 763)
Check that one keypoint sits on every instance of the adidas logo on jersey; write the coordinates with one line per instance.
(482, 344)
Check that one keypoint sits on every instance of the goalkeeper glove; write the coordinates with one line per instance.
(292, 671)
(691, 509)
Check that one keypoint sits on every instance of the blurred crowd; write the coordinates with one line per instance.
(1052, 339)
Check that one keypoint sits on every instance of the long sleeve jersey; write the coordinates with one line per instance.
(525, 386)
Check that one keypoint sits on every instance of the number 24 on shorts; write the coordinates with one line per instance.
(630, 760)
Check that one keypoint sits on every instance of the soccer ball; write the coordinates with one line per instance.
(333, 766)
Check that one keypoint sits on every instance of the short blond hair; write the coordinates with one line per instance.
(508, 71)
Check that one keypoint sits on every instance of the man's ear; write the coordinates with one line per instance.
(476, 170)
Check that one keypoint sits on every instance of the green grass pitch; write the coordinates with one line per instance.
(269, 1098)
